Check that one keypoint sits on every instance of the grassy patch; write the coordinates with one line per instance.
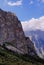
(9, 58)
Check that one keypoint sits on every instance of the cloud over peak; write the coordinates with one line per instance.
(33, 24)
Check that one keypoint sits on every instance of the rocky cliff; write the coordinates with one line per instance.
(11, 31)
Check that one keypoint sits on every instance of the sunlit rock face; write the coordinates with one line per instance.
(11, 31)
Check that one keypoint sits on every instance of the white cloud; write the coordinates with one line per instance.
(33, 24)
(17, 3)
(31, 2)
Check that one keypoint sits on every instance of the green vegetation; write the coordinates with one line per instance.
(8, 57)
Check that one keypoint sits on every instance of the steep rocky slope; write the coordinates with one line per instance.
(9, 58)
(11, 32)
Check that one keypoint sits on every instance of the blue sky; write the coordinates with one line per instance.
(24, 9)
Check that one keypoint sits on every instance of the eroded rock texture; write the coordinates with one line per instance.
(11, 31)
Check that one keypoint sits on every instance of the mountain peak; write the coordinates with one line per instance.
(12, 33)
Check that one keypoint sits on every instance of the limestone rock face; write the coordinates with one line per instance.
(11, 31)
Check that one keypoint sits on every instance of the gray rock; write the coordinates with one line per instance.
(11, 31)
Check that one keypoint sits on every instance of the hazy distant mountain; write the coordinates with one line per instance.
(34, 29)
(38, 38)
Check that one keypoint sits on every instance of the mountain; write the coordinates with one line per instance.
(15, 47)
(34, 29)
(11, 31)
(38, 40)
(8, 57)
(12, 35)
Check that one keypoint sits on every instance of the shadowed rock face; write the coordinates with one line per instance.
(11, 31)
(30, 47)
